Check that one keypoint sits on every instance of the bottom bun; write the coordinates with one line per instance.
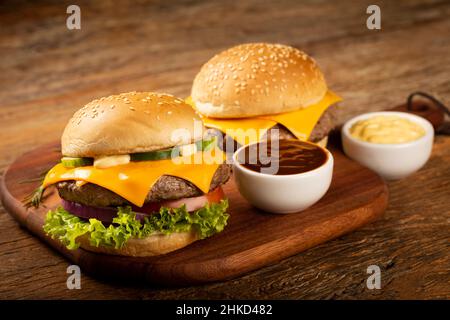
(323, 142)
(146, 247)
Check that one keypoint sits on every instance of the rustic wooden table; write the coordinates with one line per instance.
(47, 72)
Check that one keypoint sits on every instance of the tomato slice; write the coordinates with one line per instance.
(192, 204)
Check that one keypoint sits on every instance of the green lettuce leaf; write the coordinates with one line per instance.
(64, 226)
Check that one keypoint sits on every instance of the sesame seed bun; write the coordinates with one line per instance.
(257, 79)
(129, 123)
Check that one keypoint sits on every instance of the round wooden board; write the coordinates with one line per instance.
(251, 240)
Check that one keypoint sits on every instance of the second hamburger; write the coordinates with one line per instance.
(250, 89)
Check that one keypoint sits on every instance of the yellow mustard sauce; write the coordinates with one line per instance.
(387, 129)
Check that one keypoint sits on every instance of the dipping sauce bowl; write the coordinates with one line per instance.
(390, 160)
(285, 192)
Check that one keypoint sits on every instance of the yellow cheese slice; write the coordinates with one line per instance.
(244, 131)
(302, 122)
(134, 180)
(249, 130)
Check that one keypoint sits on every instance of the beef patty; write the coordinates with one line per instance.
(166, 188)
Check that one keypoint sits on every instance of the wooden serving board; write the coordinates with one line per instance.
(251, 240)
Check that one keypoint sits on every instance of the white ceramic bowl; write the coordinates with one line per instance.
(283, 193)
(391, 161)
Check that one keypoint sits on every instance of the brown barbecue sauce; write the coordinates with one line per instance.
(294, 157)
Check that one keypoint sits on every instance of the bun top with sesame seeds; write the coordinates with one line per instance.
(129, 123)
(257, 79)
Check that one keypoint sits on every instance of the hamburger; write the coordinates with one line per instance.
(121, 190)
(249, 90)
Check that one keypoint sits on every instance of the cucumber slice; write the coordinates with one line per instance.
(70, 162)
(202, 145)
(155, 155)
(205, 145)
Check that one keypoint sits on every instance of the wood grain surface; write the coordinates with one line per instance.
(47, 72)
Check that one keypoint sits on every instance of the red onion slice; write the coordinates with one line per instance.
(103, 214)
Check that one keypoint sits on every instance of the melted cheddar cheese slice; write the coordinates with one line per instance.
(249, 130)
(244, 131)
(134, 180)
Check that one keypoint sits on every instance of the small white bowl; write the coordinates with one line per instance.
(283, 193)
(391, 161)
